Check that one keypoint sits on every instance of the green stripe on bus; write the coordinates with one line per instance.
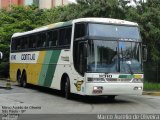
(44, 69)
(125, 76)
(51, 68)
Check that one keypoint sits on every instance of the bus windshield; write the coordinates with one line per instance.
(115, 31)
(113, 57)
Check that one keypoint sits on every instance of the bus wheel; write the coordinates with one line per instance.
(111, 98)
(23, 80)
(19, 79)
(67, 89)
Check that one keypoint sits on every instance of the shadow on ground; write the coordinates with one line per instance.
(79, 98)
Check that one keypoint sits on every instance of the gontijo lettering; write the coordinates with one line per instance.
(28, 56)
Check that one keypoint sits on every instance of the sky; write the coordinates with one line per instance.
(28, 2)
(72, 1)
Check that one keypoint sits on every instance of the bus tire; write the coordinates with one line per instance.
(67, 89)
(19, 78)
(24, 80)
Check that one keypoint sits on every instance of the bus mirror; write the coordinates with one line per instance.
(145, 52)
(1, 56)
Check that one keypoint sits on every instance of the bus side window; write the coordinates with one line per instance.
(55, 37)
(52, 38)
(17, 44)
(61, 37)
(24, 43)
(32, 42)
(13, 44)
(41, 40)
(80, 30)
(67, 38)
(49, 39)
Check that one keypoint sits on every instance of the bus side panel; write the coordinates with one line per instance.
(34, 70)
(62, 67)
(48, 68)
(65, 66)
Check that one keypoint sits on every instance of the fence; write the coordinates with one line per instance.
(152, 72)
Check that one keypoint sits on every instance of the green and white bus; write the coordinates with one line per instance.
(86, 56)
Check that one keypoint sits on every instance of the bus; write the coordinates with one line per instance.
(85, 56)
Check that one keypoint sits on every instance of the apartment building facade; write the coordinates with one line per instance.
(6, 4)
(47, 4)
(42, 4)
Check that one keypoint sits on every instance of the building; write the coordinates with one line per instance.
(42, 4)
(6, 4)
(36, 2)
(28, 2)
(47, 4)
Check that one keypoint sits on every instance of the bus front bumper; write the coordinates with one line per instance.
(95, 89)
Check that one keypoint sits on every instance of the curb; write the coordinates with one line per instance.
(153, 93)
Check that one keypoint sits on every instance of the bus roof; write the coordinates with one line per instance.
(63, 24)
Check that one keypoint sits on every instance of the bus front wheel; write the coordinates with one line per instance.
(67, 89)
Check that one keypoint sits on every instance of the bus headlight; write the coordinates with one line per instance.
(136, 80)
(96, 80)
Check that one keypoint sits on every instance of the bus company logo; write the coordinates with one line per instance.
(78, 85)
(28, 56)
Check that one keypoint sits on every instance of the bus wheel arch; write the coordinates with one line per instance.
(65, 86)
(24, 79)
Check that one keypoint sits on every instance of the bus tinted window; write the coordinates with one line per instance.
(68, 33)
(55, 38)
(41, 41)
(65, 36)
(32, 42)
(61, 36)
(52, 38)
(24, 43)
(80, 30)
(13, 44)
(17, 44)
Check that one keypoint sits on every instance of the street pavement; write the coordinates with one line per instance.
(38, 103)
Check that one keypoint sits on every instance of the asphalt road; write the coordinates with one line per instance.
(39, 103)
